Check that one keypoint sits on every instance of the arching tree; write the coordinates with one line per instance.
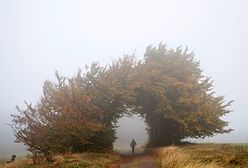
(79, 113)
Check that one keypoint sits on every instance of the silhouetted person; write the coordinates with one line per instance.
(132, 145)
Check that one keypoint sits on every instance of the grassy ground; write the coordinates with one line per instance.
(204, 156)
(85, 160)
(188, 156)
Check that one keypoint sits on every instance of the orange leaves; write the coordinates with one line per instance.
(166, 87)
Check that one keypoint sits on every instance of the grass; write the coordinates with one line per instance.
(83, 160)
(187, 156)
(1, 164)
(204, 156)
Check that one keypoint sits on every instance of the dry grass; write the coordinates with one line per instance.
(204, 156)
(174, 157)
(85, 160)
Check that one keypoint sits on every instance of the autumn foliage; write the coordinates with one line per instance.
(177, 100)
(79, 113)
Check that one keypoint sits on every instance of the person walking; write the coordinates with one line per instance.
(132, 145)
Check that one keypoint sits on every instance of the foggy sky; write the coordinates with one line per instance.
(38, 37)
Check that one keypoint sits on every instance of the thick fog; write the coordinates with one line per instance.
(39, 37)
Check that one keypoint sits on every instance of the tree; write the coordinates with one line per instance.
(63, 119)
(79, 113)
(176, 100)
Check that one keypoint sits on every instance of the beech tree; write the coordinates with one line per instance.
(79, 113)
(176, 99)
(63, 119)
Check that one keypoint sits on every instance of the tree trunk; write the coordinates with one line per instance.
(161, 131)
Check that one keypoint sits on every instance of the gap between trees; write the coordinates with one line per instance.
(79, 113)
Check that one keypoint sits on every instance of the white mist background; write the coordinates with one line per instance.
(39, 37)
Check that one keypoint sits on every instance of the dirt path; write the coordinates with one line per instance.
(145, 161)
(142, 158)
